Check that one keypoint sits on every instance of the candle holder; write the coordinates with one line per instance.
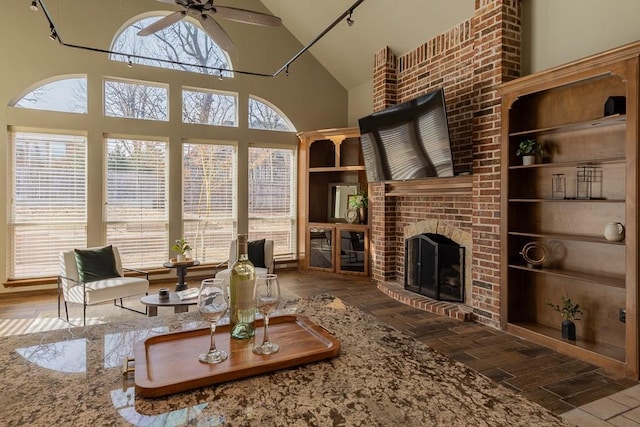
(589, 183)
(558, 186)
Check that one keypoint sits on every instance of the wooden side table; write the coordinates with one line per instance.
(181, 270)
(179, 306)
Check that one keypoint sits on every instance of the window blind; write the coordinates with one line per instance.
(136, 213)
(209, 199)
(48, 201)
(272, 197)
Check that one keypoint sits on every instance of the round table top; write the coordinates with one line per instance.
(172, 264)
(174, 300)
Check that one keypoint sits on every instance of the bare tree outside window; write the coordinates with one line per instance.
(209, 108)
(263, 116)
(182, 42)
(136, 101)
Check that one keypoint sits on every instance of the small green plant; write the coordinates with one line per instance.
(569, 310)
(359, 200)
(529, 147)
(181, 246)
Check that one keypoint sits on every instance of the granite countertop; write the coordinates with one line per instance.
(381, 377)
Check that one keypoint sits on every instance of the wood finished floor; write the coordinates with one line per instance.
(555, 381)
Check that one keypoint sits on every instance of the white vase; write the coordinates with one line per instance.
(529, 160)
(181, 257)
(614, 231)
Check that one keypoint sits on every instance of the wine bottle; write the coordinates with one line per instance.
(242, 280)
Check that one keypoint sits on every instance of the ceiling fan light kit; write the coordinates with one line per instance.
(204, 12)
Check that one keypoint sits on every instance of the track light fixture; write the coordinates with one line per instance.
(350, 21)
(40, 4)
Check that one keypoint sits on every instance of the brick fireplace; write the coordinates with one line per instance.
(469, 61)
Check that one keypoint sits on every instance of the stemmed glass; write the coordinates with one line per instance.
(266, 295)
(213, 301)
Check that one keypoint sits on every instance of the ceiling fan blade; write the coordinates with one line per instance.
(247, 16)
(162, 23)
(216, 32)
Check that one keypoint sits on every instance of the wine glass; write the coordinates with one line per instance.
(266, 295)
(213, 301)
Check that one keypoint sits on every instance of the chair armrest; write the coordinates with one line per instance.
(220, 264)
(71, 280)
(146, 273)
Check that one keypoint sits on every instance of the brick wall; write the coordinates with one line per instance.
(469, 62)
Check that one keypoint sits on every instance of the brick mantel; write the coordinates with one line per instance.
(469, 61)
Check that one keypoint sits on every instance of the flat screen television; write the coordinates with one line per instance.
(408, 141)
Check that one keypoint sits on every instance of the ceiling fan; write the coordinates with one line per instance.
(204, 11)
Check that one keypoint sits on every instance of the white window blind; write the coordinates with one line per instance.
(208, 108)
(136, 214)
(272, 197)
(48, 201)
(209, 192)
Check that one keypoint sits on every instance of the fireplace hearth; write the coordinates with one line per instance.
(434, 267)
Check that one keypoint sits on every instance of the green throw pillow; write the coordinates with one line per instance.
(256, 253)
(96, 264)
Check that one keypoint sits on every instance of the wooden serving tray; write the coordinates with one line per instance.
(167, 364)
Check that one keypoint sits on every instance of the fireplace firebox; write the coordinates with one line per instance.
(434, 267)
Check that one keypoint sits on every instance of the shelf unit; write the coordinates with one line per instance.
(563, 109)
(330, 158)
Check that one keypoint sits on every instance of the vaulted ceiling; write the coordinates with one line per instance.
(347, 51)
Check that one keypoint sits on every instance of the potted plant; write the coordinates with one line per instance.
(569, 311)
(181, 247)
(360, 201)
(528, 149)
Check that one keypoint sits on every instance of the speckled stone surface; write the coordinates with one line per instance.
(382, 377)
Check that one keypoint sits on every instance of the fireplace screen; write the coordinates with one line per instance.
(434, 267)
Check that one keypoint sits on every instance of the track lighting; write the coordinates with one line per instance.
(287, 71)
(219, 74)
(34, 5)
(350, 21)
(53, 35)
(129, 63)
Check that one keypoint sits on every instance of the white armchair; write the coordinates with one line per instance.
(95, 275)
(267, 266)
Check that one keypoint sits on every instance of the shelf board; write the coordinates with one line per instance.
(573, 237)
(613, 120)
(337, 169)
(614, 282)
(592, 162)
(607, 354)
(567, 200)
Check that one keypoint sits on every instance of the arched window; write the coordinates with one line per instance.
(181, 42)
(66, 94)
(263, 115)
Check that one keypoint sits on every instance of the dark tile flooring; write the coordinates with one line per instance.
(555, 381)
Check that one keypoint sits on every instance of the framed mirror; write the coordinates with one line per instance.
(339, 193)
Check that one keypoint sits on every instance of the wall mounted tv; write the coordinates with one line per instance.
(408, 141)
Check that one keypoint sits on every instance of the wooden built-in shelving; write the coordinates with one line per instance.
(563, 109)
